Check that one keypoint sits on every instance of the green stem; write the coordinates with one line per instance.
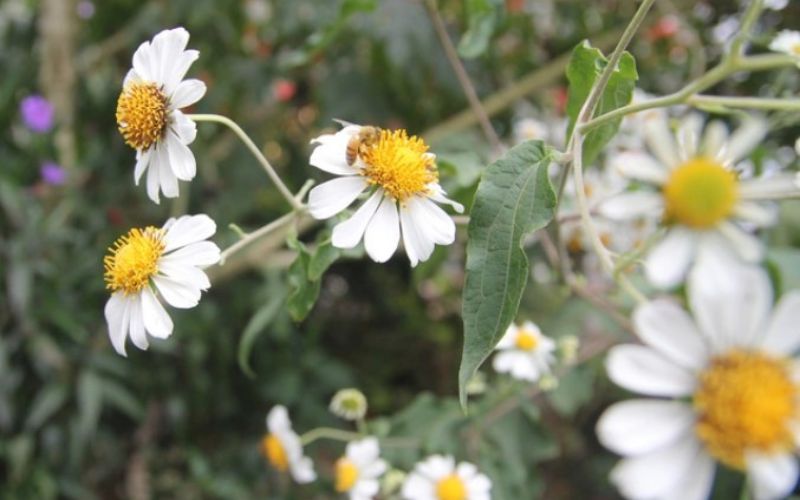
(748, 20)
(347, 436)
(296, 204)
(744, 102)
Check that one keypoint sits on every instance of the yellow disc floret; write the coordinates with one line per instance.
(526, 340)
(745, 401)
(142, 114)
(400, 164)
(700, 193)
(451, 488)
(346, 475)
(273, 450)
(133, 260)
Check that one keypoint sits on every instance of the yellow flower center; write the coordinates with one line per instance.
(795, 49)
(451, 488)
(273, 450)
(346, 475)
(399, 164)
(745, 401)
(133, 260)
(526, 340)
(700, 193)
(142, 114)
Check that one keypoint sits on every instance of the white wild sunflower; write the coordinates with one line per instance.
(787, 42)
(149, 116)
(167, 261)
(719, 387)
(439, 478)
(524, 352)
(282, 448)
(401, 179)
(358, 471)
(700, 192)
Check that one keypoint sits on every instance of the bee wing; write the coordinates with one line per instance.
(344, 123)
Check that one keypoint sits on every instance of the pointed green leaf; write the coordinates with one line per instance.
(257, 324)
(514, 198)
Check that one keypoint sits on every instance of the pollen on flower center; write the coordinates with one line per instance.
(133, 260)
(700, 193)
(526, 341)
(451, 488)
(142, 114)
(346, 475)
(273, 450)
(400, 164)
(745, 401)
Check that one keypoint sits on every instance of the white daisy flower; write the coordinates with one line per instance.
(169, 261)
(728, 386)
(357, 472)
(788, 42)
(524, 352)
(700, 194)
(401, 177)
(282, 447)
(149, 116)
(438, 478)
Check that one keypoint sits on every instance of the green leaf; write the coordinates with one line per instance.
(785, 262)
(482, 19)
(323, 257)
(583, 70)
(258, 322)
(48, 401)
(514, 198)
(305, 274)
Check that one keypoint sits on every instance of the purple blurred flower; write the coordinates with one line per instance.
(53, 173)
(37, 113)
(85, 9)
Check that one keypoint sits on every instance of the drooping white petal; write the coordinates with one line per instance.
(745, 138)
(641, 166)
(783, 333)
(117, 318)
(439, 196)
(640, 426)
(661, 141)
(516, 363)
(633, 205)
(278, 419)
(138, 333)
(201, 253)
(383, 231)
(153, 174)
(348, 233)
(143, 62)
(156, 320)
(668, 261)
(142, 162)
(643, 370)
(184, 127)
(303, 471)
(166, 177)
(331, 197)
(181, 158)
(772, 476)
(177, 294)
(432, 220)
(191, 276)
(667, 328)
(418, 247)
(187, 93)
(180, 68)
(188, 229)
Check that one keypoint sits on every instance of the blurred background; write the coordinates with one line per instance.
(184, 419)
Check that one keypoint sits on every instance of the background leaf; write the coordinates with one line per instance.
(482, 16)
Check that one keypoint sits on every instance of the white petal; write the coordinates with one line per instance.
(772, 476)
(156, 320)
(180, 67)
(746, 245)
(767, 188)
(348, 233)
(278, 419)
(363, 451)
(689, 135)
(418, 487)
(117, 318)
(168, 46)
(188, 229)
(383, 231)
(330, 198)
(188, 275)
(181, 158)
(201, 253)
(714, 139)
(783, 333)
(166, 177)
(645, 371)
(641, 166)
(697, 483)
(187, 93)
(143, 63)
(418, 248)
(745, 138)
(138, 334)
(640, 426)
(177, 294)
(142, 162)
(661, 141)
(668, 261)
(153, 173)
(667, 328)
(303, 471)
(433, 222)
(184, 127)
(439, 196)
(330, 154)
(632, 205)
(759, 214)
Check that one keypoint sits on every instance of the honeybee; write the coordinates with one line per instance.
(366, 137)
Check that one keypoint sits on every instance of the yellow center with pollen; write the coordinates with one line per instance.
(273, 450)
(451, 488)
(133, 260)
(700, 193)
(346, 475)
(526, 340)
(745, 401)
(400, 164)
(142, 114)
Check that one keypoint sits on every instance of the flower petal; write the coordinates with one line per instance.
(633, 205)
(699, 479)
(142, 162)
(746, 245)
(759, 214)
(187, 93)
(768, 188)
(434, 222)
(188, 229)
(641, 166)
(138, 333)
(201, 253)
(669, 329)
(181, 158)
(418, 247)
(714, 139)
(772, 476)
(330, 198)
(156, 320)
(348, 233)
(660, 140)
(640, 426)
(143, 63)
(645, 371)
(176, 293)
(783, 333)
(668, 261)
(186, 274)
(278, 419)
(383, 231)
(166, 177)
(330, 154)
(745, 138)
(117, 317)
(184, 127)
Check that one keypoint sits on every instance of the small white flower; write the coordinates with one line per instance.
(149, 116)
(699, 193)
(357, 472)
(524, 352)
(401, 177)
(775, 4)
(438, 478)
(169, 261)
(349, 404)
(282, 448)
(727, 386)
(788, 42)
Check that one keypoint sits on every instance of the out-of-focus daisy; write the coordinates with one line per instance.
(349, 404)
(282, 448)
(524, 352)
(438, 478)
(728, 383)
(775, 4)
(788, 42)
(403, 184)
(357, 472)
(166, 260)
(149, 116)
(701, 195)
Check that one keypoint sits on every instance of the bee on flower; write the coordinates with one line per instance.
(168, 261)
(359, 470)
(402, 182)
(149, 112)
(282, 448)
(524, 352)
(438, 478)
